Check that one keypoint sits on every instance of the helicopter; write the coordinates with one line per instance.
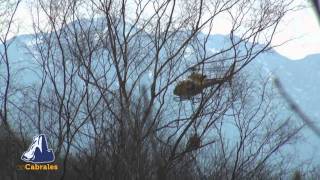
(196, 82)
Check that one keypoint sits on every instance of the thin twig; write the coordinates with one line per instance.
(296, 108)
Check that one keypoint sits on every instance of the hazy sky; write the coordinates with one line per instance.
(300, 27)
(304, 27)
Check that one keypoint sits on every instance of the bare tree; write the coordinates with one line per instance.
(9, 9)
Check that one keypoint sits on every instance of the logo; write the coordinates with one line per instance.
(38, 156)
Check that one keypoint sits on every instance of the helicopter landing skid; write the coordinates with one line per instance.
(181, 99)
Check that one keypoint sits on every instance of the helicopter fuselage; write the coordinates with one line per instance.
(189, 88)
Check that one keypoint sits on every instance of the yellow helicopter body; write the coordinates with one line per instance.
(194, 85)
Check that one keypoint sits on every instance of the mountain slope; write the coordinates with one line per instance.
(300, 78)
